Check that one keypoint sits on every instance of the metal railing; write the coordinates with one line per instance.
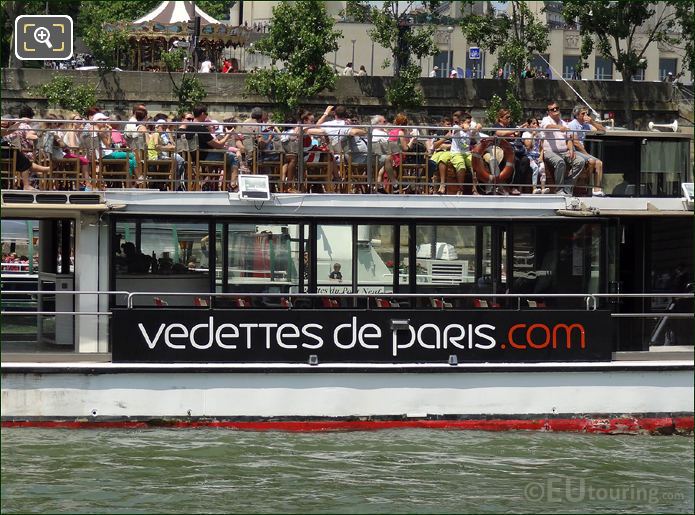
(337, 163)
(591, 300)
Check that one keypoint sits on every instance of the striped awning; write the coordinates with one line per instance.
(175, 12)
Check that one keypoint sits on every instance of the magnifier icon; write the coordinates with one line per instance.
(43, 35)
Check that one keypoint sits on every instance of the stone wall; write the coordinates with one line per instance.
(118, 91)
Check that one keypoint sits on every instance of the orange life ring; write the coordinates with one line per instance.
(481, 169)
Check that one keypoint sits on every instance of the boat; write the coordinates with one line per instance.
(335, 311)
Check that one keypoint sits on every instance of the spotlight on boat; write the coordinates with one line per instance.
(313, 359)
(453, 359)
(400, 325)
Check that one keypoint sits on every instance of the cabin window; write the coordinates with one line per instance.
(563, 258)
(264, 258)
(162, 256)
(670, 271)
(665, 166)
(446, 257)
(376, 258)
(334, 271)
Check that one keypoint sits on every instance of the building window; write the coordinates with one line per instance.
(570, 64)
(667, 65)
(442, 60)
(639, 75)
(604, 69)
(539, 64)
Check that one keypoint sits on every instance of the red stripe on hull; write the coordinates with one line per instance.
(665, 425)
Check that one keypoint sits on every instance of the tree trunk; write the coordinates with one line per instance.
(627, 100)
(14, 9)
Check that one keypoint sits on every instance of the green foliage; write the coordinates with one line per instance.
(514, 37)
(61, 91)
(685, 16)
(189, 91)
(393, 29)
(404, 91)
(174, 59)
(613, 28)
(301, 34)
(491, 111)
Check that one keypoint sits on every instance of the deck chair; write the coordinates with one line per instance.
(160, 174)
(8, 170)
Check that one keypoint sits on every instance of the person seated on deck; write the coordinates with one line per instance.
(583, 122)
(211, 148)
(459, 155)
(558, 150)
(533, 145)
(22, 163)
(522, 165)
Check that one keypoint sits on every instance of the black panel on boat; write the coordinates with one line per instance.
(19, 198)
(85, 199)
(51, 198)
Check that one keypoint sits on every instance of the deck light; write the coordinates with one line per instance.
(453, 359)
(313, 359)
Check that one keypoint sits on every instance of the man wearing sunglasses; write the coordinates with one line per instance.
(558, 150)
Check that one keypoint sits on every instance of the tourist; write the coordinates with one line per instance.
(362, 72)
(583, 122)
(435, 72)
(211, 148)
(22, 163)
(534, 151)
(522, 166)
(348, 71)
(558, 149)
(206, 66)
(56, 146)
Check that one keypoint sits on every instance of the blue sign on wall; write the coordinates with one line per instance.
(474, 52)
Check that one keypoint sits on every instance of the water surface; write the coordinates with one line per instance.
(390, 471)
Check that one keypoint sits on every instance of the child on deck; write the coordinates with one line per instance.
(534, 152)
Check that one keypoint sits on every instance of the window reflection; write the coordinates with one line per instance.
(263, 258)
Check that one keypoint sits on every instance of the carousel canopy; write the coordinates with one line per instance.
(175, 12)
(169, 22)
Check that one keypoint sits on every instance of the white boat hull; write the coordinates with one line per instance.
(112, 392)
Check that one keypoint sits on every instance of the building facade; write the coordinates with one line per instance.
(563, 53)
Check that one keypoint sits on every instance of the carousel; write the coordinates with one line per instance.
(158, 31)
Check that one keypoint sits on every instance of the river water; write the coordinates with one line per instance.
(402, 471)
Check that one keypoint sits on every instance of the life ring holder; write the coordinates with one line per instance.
(481, 170)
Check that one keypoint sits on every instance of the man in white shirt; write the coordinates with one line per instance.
(435, 72)
(348, 71)
(558, 149)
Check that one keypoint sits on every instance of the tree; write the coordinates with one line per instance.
(396, 30)
(513, 37)
(301, 33)
(686, 20)
(621, 32)
(61, 91)
(189, 90)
